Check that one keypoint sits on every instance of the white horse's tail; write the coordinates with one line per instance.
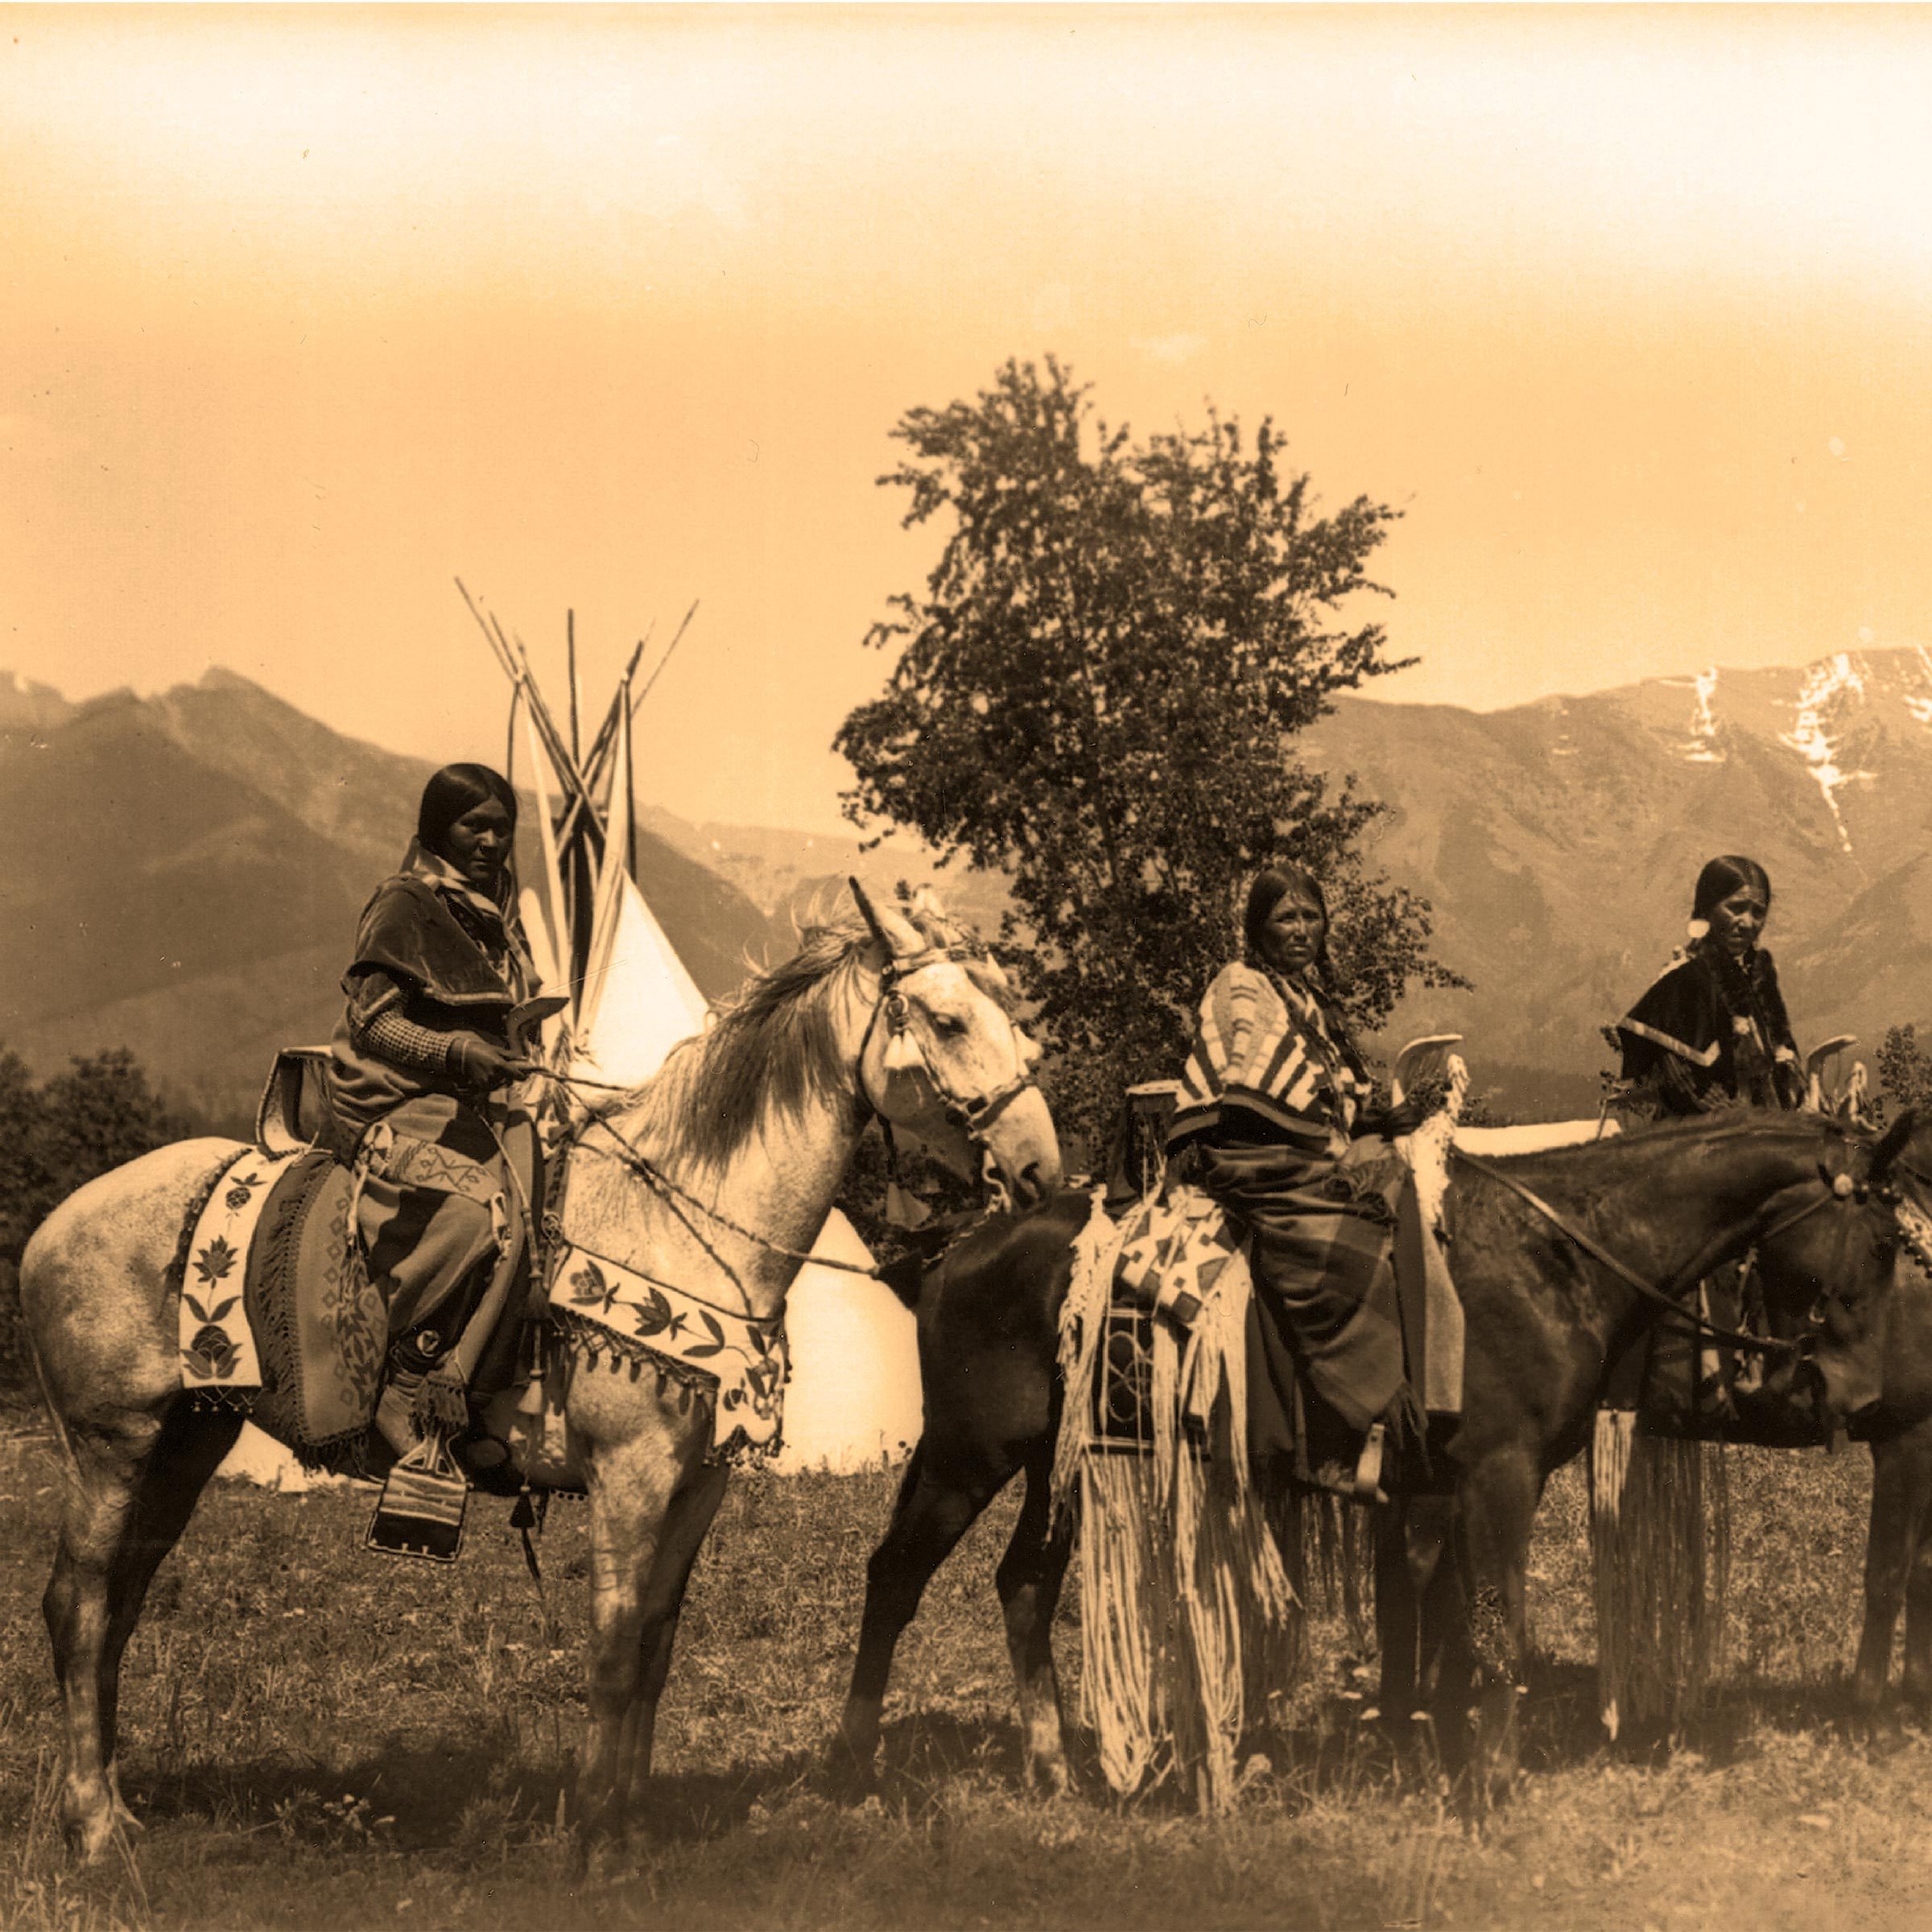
(47, 1398)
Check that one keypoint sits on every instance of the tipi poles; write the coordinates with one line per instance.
(570, 656)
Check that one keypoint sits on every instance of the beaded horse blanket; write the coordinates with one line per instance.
(740, 1364)
(278, 1316)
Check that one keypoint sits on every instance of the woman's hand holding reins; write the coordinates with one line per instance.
(482, 1064)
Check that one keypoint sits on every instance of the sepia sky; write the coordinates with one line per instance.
(304, 312)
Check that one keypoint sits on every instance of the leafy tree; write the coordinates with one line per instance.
(1094, 695)
(23, 1185)
(1905, 1071)
(102, 1112)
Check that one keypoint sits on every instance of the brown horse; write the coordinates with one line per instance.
(756, 1120)
(1898, 1426)
(1544, 1320)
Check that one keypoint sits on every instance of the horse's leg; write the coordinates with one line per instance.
(101, 1483)
(1418, 1613)
(1030, 1575)
(930, 1516)
(1498, 1500)
(189, 1449)
(1398, 1618)
(131, 1488)
(1902, 1477)
(686, 1524)
(634, 1485)
(1915, 1503)
(1412, 1533)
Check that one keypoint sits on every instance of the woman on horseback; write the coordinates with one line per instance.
(1712, 1030)
(421, 1085)
(1273, 1095)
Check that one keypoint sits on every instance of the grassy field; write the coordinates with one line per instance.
(319, 1738)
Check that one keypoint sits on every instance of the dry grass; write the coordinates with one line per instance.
(319, 1738)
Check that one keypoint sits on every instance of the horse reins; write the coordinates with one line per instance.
(629, 1155)
(1697, 1266)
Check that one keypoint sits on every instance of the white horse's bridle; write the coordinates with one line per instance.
(973, 1114)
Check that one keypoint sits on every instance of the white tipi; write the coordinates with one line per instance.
(854, 1396)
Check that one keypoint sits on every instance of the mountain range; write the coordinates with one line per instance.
(1558, 842)
(181, 873)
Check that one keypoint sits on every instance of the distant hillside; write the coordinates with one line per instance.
(182, 874)
(26, 711)
(1558, 842)
(789, 874)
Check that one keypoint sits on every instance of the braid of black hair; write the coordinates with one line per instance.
(1771, 996)
(1743, 989)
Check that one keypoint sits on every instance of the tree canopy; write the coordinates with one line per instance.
(1094, 695)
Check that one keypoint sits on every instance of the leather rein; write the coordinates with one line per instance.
(1834, 1187)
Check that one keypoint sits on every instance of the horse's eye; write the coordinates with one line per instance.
(947, 1027)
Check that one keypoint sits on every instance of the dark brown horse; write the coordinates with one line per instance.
(1898, 1543)
(1898, 1426)
(1544, 1320)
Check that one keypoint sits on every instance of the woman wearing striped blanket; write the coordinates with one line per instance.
(1273, 1097)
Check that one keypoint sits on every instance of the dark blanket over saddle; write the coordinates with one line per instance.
(1382, 1238)
(320, 1326)
(1322, 1242)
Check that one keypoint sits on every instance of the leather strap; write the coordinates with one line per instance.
(1732, 1337)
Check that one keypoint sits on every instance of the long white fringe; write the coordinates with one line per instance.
(1660, 1533)
(1191, 1619)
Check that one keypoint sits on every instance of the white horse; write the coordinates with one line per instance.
(714, 1177)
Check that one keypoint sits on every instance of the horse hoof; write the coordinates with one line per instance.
(1049, 1777)
(95, 1839)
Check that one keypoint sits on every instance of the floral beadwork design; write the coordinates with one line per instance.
(215, 1263)
(745, 1360)
(211, 1354)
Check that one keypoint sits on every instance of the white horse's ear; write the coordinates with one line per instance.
(865, 908)
(898, 935)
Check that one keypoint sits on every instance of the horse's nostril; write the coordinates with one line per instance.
(1029, 1187)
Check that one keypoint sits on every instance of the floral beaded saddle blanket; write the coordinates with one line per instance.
(279, 1317)
(738, 1364)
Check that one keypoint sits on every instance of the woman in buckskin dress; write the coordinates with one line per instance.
(1274, 1093)
(422, 1088)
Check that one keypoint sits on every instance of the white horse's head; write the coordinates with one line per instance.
(943, 1059)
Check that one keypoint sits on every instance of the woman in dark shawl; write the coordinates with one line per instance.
(421, 1083)
(1273, 1093)
(1712, 1030)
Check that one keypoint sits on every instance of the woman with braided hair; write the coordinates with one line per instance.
(1712, 1031)
(1274, 1094)
(422, 1085)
